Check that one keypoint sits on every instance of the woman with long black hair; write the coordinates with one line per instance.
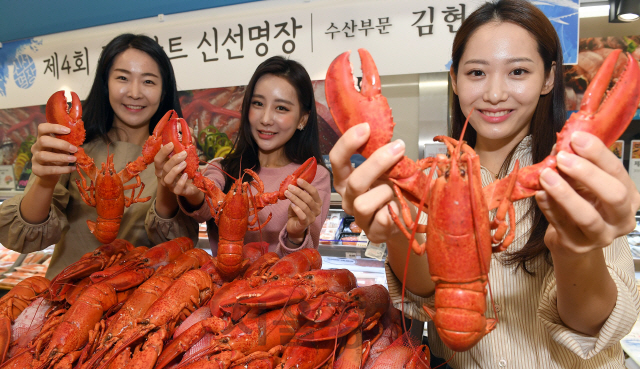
(278, 132)
(134, 87)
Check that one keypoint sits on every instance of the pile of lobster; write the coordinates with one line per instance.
(459, 231)
(165, 306)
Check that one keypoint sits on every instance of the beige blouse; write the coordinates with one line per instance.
(66, 226)
(530, 333)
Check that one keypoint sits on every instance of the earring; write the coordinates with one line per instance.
(300, 127)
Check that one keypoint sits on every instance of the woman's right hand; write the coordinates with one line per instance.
(169, 173)
(364, 195)
(51, 155)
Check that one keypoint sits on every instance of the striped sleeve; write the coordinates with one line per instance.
(619, 323)
(412, 303)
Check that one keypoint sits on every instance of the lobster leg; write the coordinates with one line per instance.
(148, 354)
(498, 238)
(86, 192)
(149, 150)
(5, 336)
(132, 187)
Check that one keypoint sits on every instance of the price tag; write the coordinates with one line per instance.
(363, 241)
(6, 177)
(375, 250)
(634, 163)
(351, 255)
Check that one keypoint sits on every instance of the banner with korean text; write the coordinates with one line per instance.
(222, 46)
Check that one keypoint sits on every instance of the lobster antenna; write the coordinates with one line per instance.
(464, 129)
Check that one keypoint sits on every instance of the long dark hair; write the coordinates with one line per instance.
(97, 112)
(549, 116)
(303, 145)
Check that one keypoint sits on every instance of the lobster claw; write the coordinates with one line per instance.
(606, 116)
(350, 107)
(321, 309)
(347, 323)
(268, 296)
(365, 306)
(306, 171)
(58, 112)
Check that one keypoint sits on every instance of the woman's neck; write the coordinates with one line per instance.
(136, 136)
(493, 153)
(276, 159)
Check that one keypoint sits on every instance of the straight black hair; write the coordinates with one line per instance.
(97, 111)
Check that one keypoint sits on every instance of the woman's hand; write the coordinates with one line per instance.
(363, 195)
(169, 173)
(305, 207)
(592, 203)
(51, 155)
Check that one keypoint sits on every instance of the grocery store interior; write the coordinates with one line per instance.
(420, 104)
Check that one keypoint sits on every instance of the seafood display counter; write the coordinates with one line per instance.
(15, 267)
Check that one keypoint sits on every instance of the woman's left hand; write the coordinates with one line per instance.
(593, 202)
(306, 205)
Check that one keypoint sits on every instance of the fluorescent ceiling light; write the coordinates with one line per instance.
(594, 11)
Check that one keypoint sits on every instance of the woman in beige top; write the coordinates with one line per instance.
(133, 88)
(564, 290)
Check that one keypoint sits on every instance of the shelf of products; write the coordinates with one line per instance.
(634, 243)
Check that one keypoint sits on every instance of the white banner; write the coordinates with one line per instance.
(223, 46)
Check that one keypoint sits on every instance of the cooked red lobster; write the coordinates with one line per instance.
(459, 242)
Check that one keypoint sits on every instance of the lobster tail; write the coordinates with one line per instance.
(460, 319)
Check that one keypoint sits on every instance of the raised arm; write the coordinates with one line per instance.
(591, 203)
(366, 196)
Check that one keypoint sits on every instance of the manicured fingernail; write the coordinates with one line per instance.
(182, 154)
(542, 196)
(566, 159)
(287, 193)
(580, 139)
(290, 187)
(184, 175)
(183, 164)
(71, 158)
(362, 129)
(396, 147)
(72, 148)
(550, 177)
(65, 129)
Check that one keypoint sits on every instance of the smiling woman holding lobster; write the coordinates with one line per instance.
(278, 134)
(134, 86)
(564, 290)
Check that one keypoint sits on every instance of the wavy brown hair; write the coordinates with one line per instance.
(548, 118)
